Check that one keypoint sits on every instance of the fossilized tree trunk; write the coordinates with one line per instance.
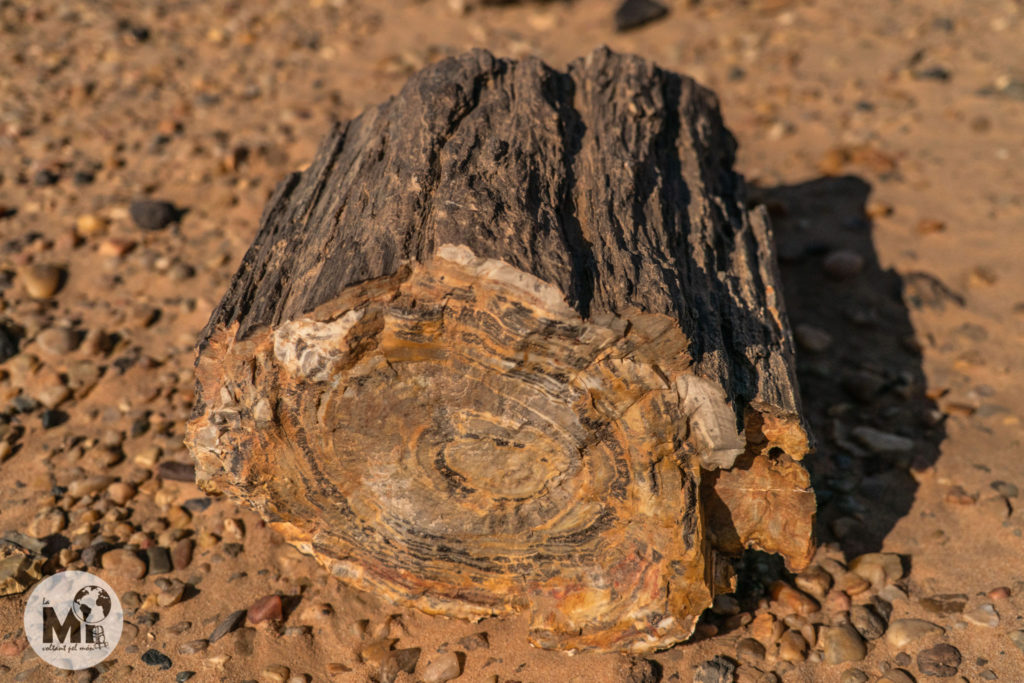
(513, 341)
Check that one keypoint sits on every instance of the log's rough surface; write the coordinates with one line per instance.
(513, 342)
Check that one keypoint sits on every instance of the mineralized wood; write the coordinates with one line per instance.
(513, 342)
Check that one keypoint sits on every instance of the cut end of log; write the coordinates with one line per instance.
(457, 438)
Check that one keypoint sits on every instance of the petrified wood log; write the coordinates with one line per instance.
(511, 342)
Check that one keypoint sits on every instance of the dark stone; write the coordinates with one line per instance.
(159, 560)
(195, 505)
(635, 13)
(941, 661)
(151, 214)
(176, 471)
(184, 676)
(867, 623)
(475, 641)
(232, 549)
(716, 670)
(156, 658)
(637, 670)
(8, 346)
(147, 618)
(232, 622)
(181, 553)
(45, 177)
(882, 607)
(91, 555)
(398, 661)
(1001, 487)
(945, 603)
(131, 601)
(83, 177)
(53, 418)
(140, 426)
(934, 73)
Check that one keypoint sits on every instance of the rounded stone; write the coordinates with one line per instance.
(150, 214)
(750, 651)
(843, 644)
(942, 660)
(446, 667)
(905, 631)
(123, 562)
(41, 280)
(57, 341)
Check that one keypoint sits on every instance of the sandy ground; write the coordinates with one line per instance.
(889, 129)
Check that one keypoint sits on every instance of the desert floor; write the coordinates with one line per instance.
(890, 129)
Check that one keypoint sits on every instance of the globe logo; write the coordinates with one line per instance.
(91, 604)
(73, 620)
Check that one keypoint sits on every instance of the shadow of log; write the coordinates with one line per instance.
(857, 361)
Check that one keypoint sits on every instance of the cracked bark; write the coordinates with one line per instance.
(514, 342)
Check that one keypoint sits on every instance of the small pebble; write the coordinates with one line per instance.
(983, 615)
(944, 603)
(120, 492)
(792, 647)
(1004, 489)
(79, 488)
(902, 632)
(843, 644)
(41, 280)
(750, 651)
(123, 562)
(159, 560)
(90, 224)
(853, 676)
(815, 581)
(267, 607)
(475, 641)
(725, 605)
(276, 673)
(941, 660)
(57, 341)
(794, 600)
(881, 442)
(867, 623)
(193, 646)
(716, 670)
(1017, 638)
(150, 214)
(635, 13)
(176, 471)
(229, 624)
(398, 661)
(157, 659)
(171, 595)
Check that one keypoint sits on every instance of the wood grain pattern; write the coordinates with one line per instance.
(513, 341)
